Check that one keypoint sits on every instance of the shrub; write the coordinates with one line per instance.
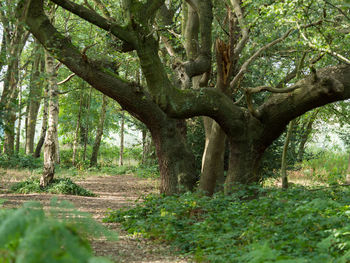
(58, 186)
(147, 171)
(20, 161)
(296, 225)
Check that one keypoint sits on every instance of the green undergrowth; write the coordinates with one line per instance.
(58, 186)
(296, 225)
(59, 235)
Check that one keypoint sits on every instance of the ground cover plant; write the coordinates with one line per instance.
(29, 235)
(58, 186)
(252, 225)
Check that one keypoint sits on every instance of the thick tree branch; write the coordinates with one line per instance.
(202, 63)
(94, 18)
(244, 28)
(332, 84)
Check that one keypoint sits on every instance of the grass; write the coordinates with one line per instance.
(58, 186)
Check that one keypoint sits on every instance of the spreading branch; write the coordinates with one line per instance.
(326, 50)
(95, 19)
(66, 80)
(245, 65)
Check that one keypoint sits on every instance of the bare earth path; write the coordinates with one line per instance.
(113, 192)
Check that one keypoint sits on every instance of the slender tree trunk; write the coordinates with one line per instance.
(44, 123)
(50, 146)
(99, 133)
(10, 107)
(121, 152)
(284, 156)
(18, 133)
(87, 126)
(348, 171)
(16, 38)
(144, 135)
(34, 98)
(76, 135)
(306, 135)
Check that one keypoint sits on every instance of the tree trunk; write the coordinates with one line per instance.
(144, 135)
(348, 172)
(44, 123)
(34, 98)
(213, 156)
(18, 133)
(121, 152)
(76, 134)
(284, 156)
(176, 161)
(10, 106)
(87, 125)
(50, 146)
(244, 162)
(99, 133)
(305, 135)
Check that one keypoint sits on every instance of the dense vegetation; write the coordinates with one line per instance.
(30, 235)
(256, 225)
(58, 186)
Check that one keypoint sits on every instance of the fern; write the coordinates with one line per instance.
(28, 235)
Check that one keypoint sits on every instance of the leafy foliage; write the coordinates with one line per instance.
(20, 161)
(253, 225)
(58, 186)
(28, 235)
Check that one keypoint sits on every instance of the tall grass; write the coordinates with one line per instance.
(327, 166)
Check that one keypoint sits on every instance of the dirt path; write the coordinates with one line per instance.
(113, 192)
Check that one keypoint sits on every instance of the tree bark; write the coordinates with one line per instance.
(76, 134)
(99, 132)
(284, 155)
(176, 162)
(213, 158)
(86, 137)
(306, 134)
(144, 135)
(121, 151)
(51, 142)
(34, 98)
(44, 122)
(348, 172)
(18, 133)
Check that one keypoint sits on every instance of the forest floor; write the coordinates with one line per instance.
(113, 192)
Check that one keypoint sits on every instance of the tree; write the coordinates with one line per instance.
(14, 39)
(250, 127)
(99, 132)
(34, 97)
